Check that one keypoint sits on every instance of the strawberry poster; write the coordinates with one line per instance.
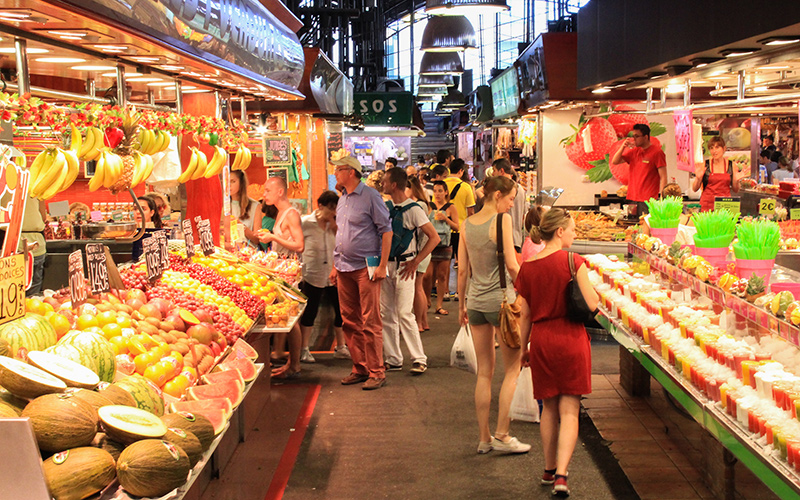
(596, 139)
(684, 147)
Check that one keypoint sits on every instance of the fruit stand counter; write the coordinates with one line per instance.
(58, 254)
(775, 473)
(604, 247)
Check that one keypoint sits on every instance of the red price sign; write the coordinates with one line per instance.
(13, 278)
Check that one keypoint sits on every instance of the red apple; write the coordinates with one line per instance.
(136, 294)
(203, 333)
(177, 322)
(203, 316)
(134, 304)
(215, 349)
(163, 305)
(150, 311)
(223, 342)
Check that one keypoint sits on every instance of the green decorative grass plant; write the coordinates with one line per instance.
(758, 240)
(715, 229)
(665, 213)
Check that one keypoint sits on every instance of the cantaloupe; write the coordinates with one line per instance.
(94, 398)
(61, 421)
(26, 381)
(78, 473)
(198, 425)
(187, 441)
(127, 425)
(152, 468)
(8, 411)
(13, 401)
(73, 374)
(118, 395)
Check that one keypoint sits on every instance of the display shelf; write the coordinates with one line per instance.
(605, 247)
(761, 460)
(257, 328)
(756, 315)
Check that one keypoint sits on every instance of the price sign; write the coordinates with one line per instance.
(13, 279)
(188, 236)
(794, 214)
(77, 279)
(766, 206)
(206, 238)
(152, 258)
(163, 248)
(732, 204)
(97, 268)
(277, 151)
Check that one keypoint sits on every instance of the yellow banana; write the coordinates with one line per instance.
(50, 172)
(148, 167)
(187, 174)
(76, 141)
(74, 167)
(36, 168)
(165, 144)
(140, 139)
(61, 174)
(96, 182)
(138, 168)
(219, 159)
(248, 158)
(158, 140)
(114, 165)
(97, 138)
(101, 170)
(202, 165)
(237, 162)
(87, 145)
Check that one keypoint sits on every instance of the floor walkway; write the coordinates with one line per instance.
(416, 438)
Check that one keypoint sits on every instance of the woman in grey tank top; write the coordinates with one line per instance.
(477, 257)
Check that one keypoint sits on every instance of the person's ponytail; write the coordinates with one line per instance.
(536, 235)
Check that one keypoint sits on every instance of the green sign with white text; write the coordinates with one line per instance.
(384, 108)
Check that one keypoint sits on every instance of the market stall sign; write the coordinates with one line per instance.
(163, 248)
(188, 237)
(381, 108)
(732, 204)
(97, 268)
(152, 258)
(794, 214)
(12, 287)
(206, 238)
(241, 36)
(766, 206)
(77, 278)
(277, 151)
(505, 94)
(14, 190)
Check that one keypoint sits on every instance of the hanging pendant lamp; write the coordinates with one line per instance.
(440, 63)
(433, 91)
(454, 99)
(435, 81)
(448, 34)
(461, 7)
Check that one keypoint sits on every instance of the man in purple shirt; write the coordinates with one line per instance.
(363, 232)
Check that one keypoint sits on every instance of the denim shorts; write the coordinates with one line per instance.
(477, 318)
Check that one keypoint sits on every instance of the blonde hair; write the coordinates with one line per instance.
(375, 179)
(552, 220)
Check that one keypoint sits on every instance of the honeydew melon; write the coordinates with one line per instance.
(79, 472)
(152, 468)
(61, 421)
(26, 381)
(127, 425)
(73, 374)
(195, 423)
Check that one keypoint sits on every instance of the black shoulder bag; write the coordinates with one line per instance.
(577, 310)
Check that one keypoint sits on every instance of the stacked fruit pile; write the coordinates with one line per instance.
(149, 452)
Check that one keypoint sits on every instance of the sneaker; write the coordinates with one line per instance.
(306, 357)
(354, 378)
(549, 477)
(513, 446)
(560, 488)
(484, 448)
(341, 352)
(373, 383)
(392, 368)
(418, 368)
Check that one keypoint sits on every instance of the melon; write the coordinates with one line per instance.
(72, 353)
(186, 441)
(5, 349)
(78, 473)
(13, 401)
(118, 396)
(230, 389)
(146, 396)
(223, 376)
(94, 398)
(19, 337)
(26, 381)
(152, 468)
(216, 416)
(197, 424)
(223, 404)
(106, 443)
(127, 425)
(42, 331)
(245, 366)
(8, 411)
(61, 421)
(243, 349)
(96, 347)
(73, 374)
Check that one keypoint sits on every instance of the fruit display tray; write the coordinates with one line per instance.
(262, 328)
(774, 473)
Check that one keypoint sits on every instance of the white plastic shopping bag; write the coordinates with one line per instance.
(463, 353)
(523, 405)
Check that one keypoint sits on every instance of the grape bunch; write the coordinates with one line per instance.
(134, 279)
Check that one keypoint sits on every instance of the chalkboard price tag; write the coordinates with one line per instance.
(163, 248)
(77, 278)
(206, 238)
(188, 237)
(12, 287)
(152, 258)
(97, 268)
(277, 151)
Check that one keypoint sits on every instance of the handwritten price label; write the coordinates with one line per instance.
(152, 258)
(97, 268)
(188, 237)
(766, 206)
(77, 278)
(206, 238)
(163, 248)
(12, 287)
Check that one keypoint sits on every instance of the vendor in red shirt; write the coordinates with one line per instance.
(648, 165)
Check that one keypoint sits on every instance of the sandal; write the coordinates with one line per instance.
(286, 375)
(441, 312)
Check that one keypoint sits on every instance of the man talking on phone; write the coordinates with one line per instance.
(648, 166)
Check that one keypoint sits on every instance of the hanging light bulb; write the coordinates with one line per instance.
(440, 63)
(448, 34)
(462, 7)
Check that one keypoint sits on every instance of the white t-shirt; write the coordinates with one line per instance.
(318, 252)
(414, 218)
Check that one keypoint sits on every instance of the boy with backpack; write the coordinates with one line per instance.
(408, 220)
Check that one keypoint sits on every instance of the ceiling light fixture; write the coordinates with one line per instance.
(31, 50)
(440, 63)
(675, 89)
(601, 90)
(93, 68)
(738, 52)
(144, 79)
(700, 62)
(167, 67)
(161, 84)
(113, 74)
(435, 81)
(60, 60)
(461, 7)
(448, 34)
(779, 40)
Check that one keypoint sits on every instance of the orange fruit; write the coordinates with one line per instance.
(156, 373)
(106, 317)
(135, 346)
(123, 320)
(120, 344)
(60, 324)
(85, 321)
(33, 305)
(142, 361)
(112, 330)
(46, 308)
(174, 388)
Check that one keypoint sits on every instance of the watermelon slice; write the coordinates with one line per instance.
(203, 405)
(216, 416)
(230, 389)
(243, 349)
(223, 376)
(243, 365)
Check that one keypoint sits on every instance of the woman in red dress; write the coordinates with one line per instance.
(559, 352)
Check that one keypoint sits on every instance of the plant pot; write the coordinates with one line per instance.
(746, 267)
(717, 257)
(666, 235)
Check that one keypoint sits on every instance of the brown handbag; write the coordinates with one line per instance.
(509, 312)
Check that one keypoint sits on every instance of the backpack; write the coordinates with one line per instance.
(454, 192)
(401, 239)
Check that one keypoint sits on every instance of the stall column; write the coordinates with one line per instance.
(203, 196)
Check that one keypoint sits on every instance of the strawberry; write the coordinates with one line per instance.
(623, 122)
(600, 133)
(620, 172)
